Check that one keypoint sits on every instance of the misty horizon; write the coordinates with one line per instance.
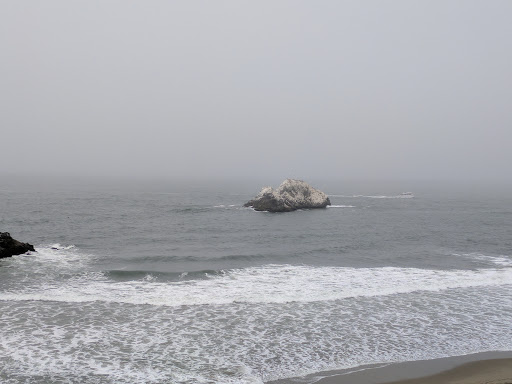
(227, 90)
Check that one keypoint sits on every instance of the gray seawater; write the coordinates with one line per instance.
(181, 284)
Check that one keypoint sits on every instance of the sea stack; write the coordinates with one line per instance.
(289, 196)
(10, 247)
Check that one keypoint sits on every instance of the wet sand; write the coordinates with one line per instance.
(479, 372)
(480, 368)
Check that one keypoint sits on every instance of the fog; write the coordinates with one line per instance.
(235, 89)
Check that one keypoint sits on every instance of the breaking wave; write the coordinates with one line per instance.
(265, 284)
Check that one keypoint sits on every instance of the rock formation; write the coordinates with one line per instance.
(10, 247)
(290, 196)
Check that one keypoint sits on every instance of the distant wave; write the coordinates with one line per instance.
(191, 209)
(388, 197)
(340, 206)
(130, 275)
(376, 196)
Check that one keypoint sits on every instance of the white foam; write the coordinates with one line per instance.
(502, 260)
(245, 343)
(58, 246)
(244, 326)
(52, 257)
(266, 284)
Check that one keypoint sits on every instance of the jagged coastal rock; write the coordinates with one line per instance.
(289, 196)
(10, 247)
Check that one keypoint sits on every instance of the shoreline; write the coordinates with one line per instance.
(485, 367)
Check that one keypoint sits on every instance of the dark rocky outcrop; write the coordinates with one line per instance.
(290, 196)
(10, 247)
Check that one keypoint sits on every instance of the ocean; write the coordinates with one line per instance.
(179, 283)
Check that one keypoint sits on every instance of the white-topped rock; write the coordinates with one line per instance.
(289, 196)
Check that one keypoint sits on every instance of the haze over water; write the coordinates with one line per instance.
(338, 89)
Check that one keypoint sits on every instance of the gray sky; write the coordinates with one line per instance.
(341, 89)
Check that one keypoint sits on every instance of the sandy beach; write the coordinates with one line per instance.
(480, 368)
(497, 371)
